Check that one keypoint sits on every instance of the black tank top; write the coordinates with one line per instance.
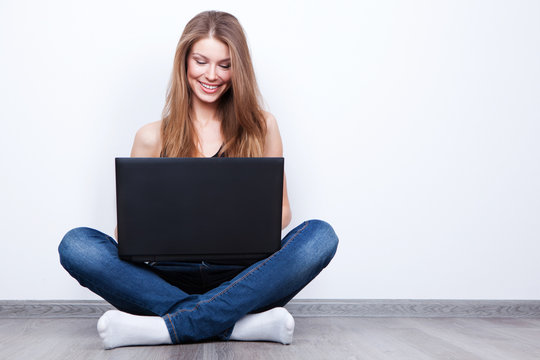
(222, 155)
(163, 154)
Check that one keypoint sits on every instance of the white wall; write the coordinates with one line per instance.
(411, 126)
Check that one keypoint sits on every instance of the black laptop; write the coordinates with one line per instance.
(224, 210)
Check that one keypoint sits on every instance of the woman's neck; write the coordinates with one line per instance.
(203, 113)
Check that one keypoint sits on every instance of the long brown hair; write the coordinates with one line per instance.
(243, 125)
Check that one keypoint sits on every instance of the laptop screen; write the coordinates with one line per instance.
(196, 209)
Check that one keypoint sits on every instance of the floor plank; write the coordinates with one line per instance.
(347, 338)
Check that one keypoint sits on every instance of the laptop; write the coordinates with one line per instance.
(222, 210)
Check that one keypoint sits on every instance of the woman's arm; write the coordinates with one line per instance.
(274, 148)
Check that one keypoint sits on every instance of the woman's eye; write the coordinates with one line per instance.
(200, 62)
(225, 66)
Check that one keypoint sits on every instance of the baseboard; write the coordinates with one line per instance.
(417, 308)
(306, 308)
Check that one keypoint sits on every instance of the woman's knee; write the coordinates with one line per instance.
(324, 241)
(76, 246)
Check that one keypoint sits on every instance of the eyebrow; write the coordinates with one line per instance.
(204, 57)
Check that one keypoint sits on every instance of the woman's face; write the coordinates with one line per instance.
(209, 69)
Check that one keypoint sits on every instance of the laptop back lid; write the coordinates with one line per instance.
(226, 210)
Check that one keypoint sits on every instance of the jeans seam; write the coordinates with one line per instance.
(235, 283)
(174, 330)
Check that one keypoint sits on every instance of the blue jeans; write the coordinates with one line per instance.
(198, 301)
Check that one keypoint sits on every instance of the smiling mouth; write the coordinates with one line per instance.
(209, 87)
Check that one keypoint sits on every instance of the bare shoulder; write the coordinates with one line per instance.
(273, 145)
(147, 141)
(271, 122)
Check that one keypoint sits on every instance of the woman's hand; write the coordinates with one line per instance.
(274, 148)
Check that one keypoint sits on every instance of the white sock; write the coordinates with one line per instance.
(117, 328)
(273, 325)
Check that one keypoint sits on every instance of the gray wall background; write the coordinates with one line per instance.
(412, 127)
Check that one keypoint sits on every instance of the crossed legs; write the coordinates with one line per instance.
(247, 307)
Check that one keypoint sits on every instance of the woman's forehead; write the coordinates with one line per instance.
(211, 48)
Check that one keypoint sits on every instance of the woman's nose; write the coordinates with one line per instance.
(211, 73)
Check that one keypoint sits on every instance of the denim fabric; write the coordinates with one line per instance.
(198, 301)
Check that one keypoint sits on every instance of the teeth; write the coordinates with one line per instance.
(209, 86)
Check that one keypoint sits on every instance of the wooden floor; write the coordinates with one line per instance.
(315, 338)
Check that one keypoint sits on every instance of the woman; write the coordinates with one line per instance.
(212, 108)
